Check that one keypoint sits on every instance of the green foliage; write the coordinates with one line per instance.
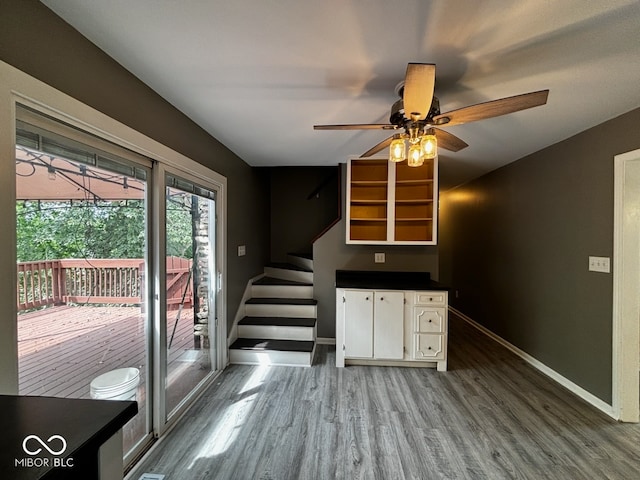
(178, 227)
(79, 229)
(49, 230)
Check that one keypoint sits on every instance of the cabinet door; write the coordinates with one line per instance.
(358, 324)
(388, 325)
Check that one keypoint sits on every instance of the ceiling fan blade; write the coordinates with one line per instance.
(357, 126)
(380, 146)
(494, 108)
(449, 141)
(418, 90)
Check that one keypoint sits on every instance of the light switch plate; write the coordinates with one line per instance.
(379, 257)
(600, 264)
(242, 250)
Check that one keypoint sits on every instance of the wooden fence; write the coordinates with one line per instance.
(97, 281)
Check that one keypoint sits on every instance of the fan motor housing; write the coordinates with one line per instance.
(398, 118)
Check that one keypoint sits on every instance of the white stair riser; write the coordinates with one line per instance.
(300, 261)
(267, 310)
(281, 291)
(283, 273)
(271, 357)
(277, 332)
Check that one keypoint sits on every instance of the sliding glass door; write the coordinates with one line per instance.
(119, 268)
(191, 279)
(81, 230)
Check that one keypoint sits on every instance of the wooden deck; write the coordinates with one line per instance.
(61, 349)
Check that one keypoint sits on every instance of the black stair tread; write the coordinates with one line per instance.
(262, 344)
(289, 266)
(280, 281)
(278, 321)
(282, 301)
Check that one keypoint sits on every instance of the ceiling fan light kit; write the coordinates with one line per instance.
(397, 149)
(417, 98)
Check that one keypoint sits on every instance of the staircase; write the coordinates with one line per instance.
(280, 323)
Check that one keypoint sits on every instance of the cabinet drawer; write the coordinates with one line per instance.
(428, 320)
(428, 347)
(430, 298)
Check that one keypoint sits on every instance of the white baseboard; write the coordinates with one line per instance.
(549, 372)
(325, 341)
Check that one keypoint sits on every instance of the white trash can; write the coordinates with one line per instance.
(120, 384)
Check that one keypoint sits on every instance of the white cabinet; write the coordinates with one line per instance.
(391, 327)
(375, 324)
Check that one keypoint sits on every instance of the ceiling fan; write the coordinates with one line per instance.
(417, 114)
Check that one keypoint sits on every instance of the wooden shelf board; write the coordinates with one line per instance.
(368, 219)
(368, 183)
(413, 219)
(417, 200)
(421, 181)
(368, 202)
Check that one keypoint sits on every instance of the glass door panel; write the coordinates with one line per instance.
(191, 289)
(82, 268)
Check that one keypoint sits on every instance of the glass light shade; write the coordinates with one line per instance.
(414, 159)
(397, 150)
(429, 145)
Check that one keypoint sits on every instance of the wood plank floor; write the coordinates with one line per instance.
(491, 416)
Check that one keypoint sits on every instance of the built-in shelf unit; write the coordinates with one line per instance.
(391, 203)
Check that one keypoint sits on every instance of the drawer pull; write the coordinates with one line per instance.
(381, 299)
(366, 298)
(428, 348)
(429, 320)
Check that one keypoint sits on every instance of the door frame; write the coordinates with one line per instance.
(19, 87)
(626, 287)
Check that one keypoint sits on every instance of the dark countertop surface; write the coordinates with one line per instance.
(84, 426)
(393, 280)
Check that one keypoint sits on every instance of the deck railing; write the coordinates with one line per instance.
(95, 281)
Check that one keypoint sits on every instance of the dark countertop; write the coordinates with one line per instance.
(83, 424)
(378, 280)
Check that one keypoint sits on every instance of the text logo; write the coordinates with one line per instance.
(54, 440)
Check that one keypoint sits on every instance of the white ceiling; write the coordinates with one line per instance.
(257, 75)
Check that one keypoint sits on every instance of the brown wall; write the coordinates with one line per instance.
(515, 245)
(36, 41)
(297, 218)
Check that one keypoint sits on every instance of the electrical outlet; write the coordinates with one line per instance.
(242, 250)
(600, 264)
(378, 257)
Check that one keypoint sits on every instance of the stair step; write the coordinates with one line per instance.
(281, 301)
(269, 287)
(304, 260)
(289, 271)
(278, 321)
(260, 351)
(263, 344)
(281, 281)
(289, 266)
